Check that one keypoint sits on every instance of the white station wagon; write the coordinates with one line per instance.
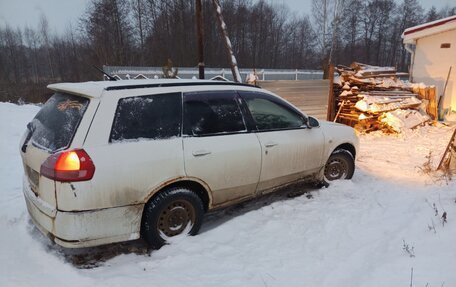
(115, 161)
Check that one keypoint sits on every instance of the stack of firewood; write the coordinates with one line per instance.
(375, 98)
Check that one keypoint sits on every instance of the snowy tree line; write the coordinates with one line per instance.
(263, 34)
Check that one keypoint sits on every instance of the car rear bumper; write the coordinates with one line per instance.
(84, 228)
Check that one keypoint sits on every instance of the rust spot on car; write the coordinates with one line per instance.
(135, 213)
(178, 179)
(168, 182)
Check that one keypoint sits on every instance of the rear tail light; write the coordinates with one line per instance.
(73, 165)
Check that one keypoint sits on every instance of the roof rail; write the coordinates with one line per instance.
(163, 85)
(219, 78)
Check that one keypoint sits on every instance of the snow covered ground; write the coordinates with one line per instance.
(350, 234)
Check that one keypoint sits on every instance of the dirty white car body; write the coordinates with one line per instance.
(222, 168)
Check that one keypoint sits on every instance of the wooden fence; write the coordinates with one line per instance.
(310, 96)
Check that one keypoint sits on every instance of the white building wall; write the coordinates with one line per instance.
(431, 64)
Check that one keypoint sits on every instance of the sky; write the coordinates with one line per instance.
(61, 12)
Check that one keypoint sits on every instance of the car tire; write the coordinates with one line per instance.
(340, 165)
(169, 214)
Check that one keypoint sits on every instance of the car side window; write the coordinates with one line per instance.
(214, 112)
(148, 117)
(269, 114)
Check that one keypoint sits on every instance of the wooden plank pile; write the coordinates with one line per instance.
(375, 98)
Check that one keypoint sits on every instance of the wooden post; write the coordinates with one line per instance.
(432, 107)
(338, 111)
(331, 98)
(422, 92)
(442, 96)
(200, 35)
(428, 93)
(229, 48)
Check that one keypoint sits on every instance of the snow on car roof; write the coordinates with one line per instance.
(95, 88)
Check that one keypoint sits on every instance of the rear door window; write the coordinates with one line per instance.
(210, 113)
(148, 117)
(54, 126)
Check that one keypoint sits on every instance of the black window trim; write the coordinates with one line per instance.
(277, 101)
(238, 101)
(146, 95)
(216, 134)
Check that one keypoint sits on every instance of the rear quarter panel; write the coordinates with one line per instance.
(35, 156)
(125, 172)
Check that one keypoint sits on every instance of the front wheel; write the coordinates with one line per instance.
(340, 165)
(170, 213)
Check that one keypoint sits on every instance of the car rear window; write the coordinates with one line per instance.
(148, 117)
(55, 124)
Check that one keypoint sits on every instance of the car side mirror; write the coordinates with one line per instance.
(312, 122)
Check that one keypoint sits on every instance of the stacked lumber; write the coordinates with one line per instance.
(375, 98)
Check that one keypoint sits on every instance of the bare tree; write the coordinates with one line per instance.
(44, 32)
(32, 41)
(326, 20)
(139, 10)
(107, 26)
(432, 14)
(410, 13)
(262, 35)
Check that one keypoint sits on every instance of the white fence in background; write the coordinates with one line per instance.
(123, 72)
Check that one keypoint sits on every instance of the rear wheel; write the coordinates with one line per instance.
(170, 213)
(340, 165)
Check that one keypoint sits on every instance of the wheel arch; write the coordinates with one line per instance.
(348, 147)
(197, 186)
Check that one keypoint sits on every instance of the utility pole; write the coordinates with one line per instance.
(229, 48)
(200, 35)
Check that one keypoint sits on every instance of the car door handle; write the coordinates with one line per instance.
(200, 152)
(270, 144)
